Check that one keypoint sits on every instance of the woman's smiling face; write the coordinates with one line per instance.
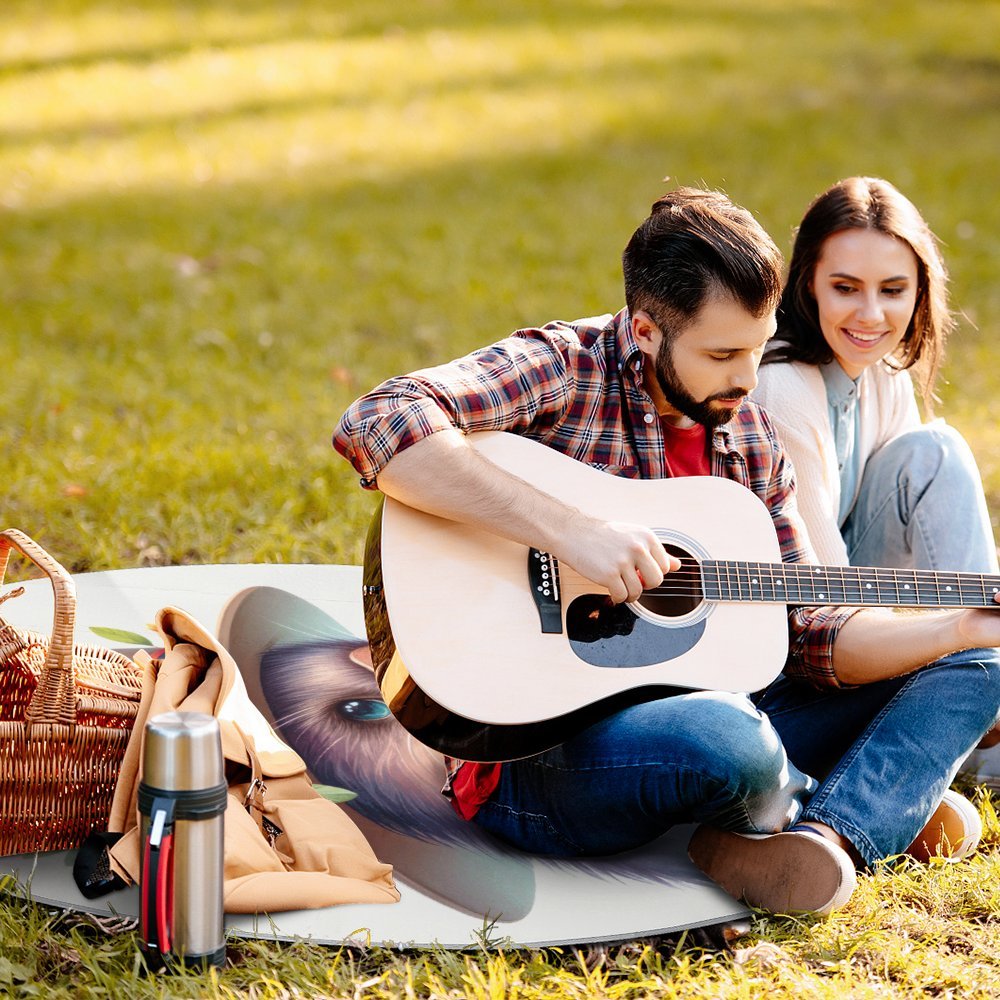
(865, 285)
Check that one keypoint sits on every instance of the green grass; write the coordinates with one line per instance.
(912, 931)
(221, 221)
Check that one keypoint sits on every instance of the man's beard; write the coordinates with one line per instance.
(680, 399)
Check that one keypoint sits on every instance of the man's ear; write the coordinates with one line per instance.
(646, 333)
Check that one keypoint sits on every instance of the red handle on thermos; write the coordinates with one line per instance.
(156, 909)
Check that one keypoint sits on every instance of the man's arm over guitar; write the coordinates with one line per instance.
(442, 474)
(406, 438)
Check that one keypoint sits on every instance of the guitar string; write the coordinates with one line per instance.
(679, 581)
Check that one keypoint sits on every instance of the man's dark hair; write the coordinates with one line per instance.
(694, 244)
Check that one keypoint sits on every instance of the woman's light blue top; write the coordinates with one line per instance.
(842, 401)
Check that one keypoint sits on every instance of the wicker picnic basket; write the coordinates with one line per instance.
(66, 712)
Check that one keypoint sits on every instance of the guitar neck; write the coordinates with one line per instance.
(801, 583)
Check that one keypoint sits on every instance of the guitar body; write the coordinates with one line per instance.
(475, 663)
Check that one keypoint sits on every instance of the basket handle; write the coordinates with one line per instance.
(54, 700)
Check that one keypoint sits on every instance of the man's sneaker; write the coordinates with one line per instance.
(789, 872)
(953, 831)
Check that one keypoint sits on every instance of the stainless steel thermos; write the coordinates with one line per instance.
(182, 800)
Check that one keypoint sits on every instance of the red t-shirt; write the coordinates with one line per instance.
(686, 450)
(686, 455)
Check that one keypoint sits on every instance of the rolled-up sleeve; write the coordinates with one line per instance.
(515, 384)
(812, 632)
(382, 423)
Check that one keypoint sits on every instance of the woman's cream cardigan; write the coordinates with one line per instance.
(794, 395)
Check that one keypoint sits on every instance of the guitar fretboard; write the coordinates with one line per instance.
(800, 583)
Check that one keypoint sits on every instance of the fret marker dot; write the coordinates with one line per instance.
(823, 596)
(868, 586)
(906, 586)
(947, 588)
(753, 579)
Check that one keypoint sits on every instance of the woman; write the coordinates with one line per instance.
(865, 304)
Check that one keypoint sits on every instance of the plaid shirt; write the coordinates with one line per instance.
(577, 387)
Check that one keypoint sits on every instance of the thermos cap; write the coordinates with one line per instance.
(182, 752)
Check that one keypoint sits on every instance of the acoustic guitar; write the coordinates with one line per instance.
(487, 650)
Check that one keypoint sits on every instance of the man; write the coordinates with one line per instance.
(853, 748)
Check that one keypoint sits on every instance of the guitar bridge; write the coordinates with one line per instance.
(543, 578)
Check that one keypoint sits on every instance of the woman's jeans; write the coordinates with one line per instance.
(920, 505)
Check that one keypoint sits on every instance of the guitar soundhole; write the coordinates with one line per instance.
(680, 593)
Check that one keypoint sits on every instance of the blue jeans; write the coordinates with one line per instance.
(921, 506)
(697, 756)
(884, 754)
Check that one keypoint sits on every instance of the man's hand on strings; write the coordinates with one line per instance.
(624, 558)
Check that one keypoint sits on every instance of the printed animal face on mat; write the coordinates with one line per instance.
(314, 683)
(327, 706)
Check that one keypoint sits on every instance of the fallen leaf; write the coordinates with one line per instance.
(333, 794)
(120, 635)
